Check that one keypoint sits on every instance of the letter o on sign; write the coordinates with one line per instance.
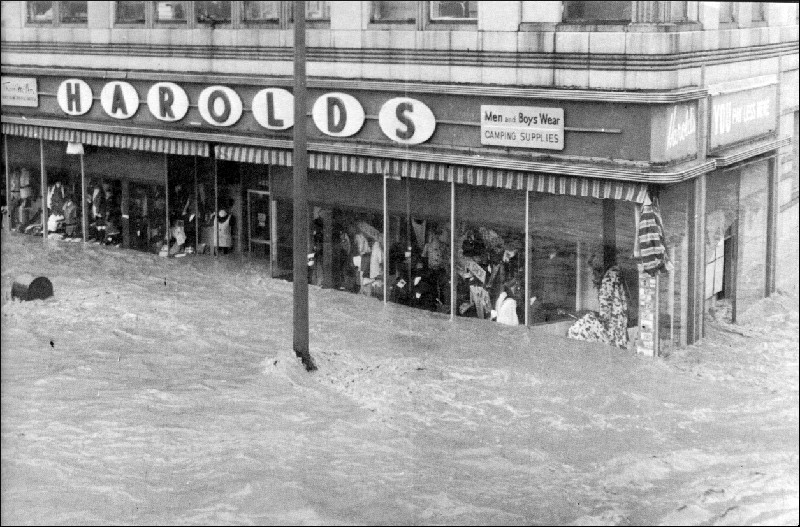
(220, 106)
(273, 108)
(338, 114)
(407, 121)
(74, 97)
(119, 99)
(167, 101)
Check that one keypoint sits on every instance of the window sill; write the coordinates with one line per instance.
(406, 25)
(451, 25)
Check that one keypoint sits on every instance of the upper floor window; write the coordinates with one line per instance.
(74, 12)
(727, 12)
(454, 11)
(57, 12)
(40, 12)
(597, 11)
(172, 12)
(315, 11)
(758, 12)
(130, 13)
(261, 12)
(394, 11)
(213, 12)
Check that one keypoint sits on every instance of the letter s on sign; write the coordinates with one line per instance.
(406, 121)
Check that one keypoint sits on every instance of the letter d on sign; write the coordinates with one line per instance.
(338, 114)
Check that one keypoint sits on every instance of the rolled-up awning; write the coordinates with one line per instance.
(467, 175)
(109, 140)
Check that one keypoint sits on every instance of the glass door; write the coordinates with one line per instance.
(260, 224)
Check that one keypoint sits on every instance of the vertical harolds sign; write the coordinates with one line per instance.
(19, 91)
(522, 127)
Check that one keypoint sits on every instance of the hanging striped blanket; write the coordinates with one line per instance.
(652, 252)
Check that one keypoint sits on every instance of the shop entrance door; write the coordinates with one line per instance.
(259, 219)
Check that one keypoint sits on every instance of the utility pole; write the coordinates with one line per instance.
(300, 193)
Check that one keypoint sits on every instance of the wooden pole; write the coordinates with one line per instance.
(300, 194)
(166, 200)
(43, 191)
(8, 183)
(527, 256)
(216, 210)
(385, 240)
(196, 210)
(453, 249)
(84, 208)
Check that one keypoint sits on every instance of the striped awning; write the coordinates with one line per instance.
(104, 139)
(462, 174)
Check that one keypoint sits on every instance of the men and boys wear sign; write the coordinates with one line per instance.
(404, 120)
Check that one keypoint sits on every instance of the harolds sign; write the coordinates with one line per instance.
(404, 120)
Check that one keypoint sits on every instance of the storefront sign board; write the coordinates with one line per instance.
(741, 115)
(20, 91)
(522, 127)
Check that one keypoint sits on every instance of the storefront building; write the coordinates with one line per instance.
(439, 195)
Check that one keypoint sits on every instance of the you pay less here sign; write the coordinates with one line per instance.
(522, 127)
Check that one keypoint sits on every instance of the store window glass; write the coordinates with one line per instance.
(261, 11)
(74, 12)
(174, 12)
(454, 10)
(130, 13)
(394, 11)
(40, 12)
(597, 11)
(213, 12)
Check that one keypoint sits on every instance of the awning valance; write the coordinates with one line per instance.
(480, 176)
(104, 139)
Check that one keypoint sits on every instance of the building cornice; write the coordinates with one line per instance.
(497, 59)
(617, 96)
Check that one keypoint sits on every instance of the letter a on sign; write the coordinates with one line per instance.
(74, 97)
(119, 99)
(338, 114)
(167, 101)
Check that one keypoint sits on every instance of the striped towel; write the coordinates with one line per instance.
(652, 252)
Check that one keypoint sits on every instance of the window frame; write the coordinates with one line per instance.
(762, 9)
(188, 23)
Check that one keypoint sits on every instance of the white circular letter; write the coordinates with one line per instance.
(74, 96)
(220, 105)
(119, 99)
(407, 121)
(273, 108)
(167, 101)
(338, 114)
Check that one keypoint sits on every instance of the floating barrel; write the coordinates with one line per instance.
(26, 287)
